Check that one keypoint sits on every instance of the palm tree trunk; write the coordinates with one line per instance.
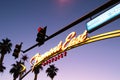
(1, 59)
(20, 76)
(35, 78)
(14, 78)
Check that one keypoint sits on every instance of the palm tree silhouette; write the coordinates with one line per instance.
(36, 71)
(5, 47)
(24, 58)
(52, 71)
(16, 69)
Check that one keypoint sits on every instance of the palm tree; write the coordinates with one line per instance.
(52, 71)
(24, 58)
(16, 69)
(5, 47)
(2, 68)
(36, 71)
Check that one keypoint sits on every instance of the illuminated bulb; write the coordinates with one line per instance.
(58, 56)
(44, 64)
(49, 61)
(55, 58)
(61, 55)
(65, 53)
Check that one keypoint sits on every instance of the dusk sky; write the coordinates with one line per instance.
(19, 20)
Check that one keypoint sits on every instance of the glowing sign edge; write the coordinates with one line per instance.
(104, 18)
(99, 37)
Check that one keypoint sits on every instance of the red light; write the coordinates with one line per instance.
(39, 29)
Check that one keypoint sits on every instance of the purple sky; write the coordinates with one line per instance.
(19, 20)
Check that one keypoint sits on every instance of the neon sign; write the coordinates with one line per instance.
(23, 68)
(104, 18)
(71, 42)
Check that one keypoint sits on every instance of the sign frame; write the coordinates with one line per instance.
(103, 19)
